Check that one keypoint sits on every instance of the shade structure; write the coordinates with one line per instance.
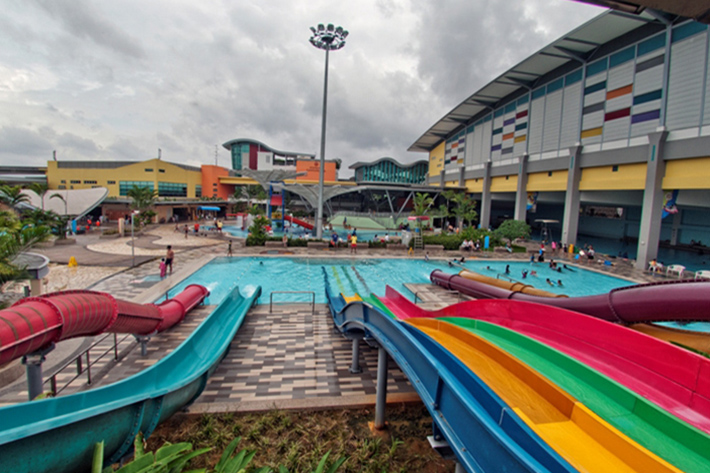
(209, 208)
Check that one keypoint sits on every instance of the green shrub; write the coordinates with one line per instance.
(376, 244)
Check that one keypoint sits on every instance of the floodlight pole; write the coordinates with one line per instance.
(325, 38)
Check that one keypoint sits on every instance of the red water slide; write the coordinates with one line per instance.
(34, 323)
(654, 302)
(673, 378)
(298, 221)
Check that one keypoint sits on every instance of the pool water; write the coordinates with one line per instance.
(370, 276)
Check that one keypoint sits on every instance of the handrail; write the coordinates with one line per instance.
(505, 276)
(312, 293)
(52, 380)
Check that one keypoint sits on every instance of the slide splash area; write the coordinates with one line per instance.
(35, 323)
(653, 302)
(58, 435)
(298, 221)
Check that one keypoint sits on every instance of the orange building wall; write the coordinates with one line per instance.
(312, 167)
(210, 182)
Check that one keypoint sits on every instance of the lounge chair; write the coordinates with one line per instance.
(704, 274)
(675, 269)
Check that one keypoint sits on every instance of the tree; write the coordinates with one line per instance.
(143, 201)
(12, 196)
(422, 203)
(512, 229)
(39, 188)
(60, 197)
(465, 208)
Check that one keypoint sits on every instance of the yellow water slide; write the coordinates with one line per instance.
(581, 437)
(513, 286)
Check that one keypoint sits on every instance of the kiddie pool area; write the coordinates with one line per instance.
(370, 276)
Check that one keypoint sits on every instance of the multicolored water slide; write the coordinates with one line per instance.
(663, 301)
(58, 435)
(675, 379)
(34, 323)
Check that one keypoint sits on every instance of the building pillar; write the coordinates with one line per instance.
(570, 221)
(485, 220)
(462, 176)
(442, 182)
(521, 195)
(652, 209)
(677, 219)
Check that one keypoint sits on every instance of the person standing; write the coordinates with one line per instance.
(353, 244)
(169, 258)
(229, 248)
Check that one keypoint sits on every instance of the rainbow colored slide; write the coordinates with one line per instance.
(570, 408)
(298, 221)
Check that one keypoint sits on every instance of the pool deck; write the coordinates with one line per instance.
(289, 358)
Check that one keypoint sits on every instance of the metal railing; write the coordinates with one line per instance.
(456, 293)
(313, 299)
(82, 367)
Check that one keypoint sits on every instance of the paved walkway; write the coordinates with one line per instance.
(288, 358)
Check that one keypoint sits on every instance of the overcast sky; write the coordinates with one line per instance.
(99, 80)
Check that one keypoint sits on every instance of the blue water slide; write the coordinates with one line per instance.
(58, 435)
(483, 431)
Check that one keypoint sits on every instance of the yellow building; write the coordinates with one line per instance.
(169, 179)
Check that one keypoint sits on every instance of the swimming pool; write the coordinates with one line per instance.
(367, 276)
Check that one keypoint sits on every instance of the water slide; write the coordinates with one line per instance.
(58, 435)
(298, 221)
(34, 323)
(472, 411)
(653, 302)
(672, 378)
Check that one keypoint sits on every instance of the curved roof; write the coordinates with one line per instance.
(699, 10)
(583, 44)
(78, 202)
(360, 164)
(228, 145)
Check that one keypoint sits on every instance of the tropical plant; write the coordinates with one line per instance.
(422, 203)
(143, 199)
(12, 196)
(39, 188)
(15, 237)
(257, 231)
(60, 197)
(465, 208)
(512, 229)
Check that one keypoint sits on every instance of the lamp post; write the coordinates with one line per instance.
(328, 38)
(133, 243)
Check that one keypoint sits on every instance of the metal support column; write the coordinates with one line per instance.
(381, 389)
(143, 340)
(570, 221)
(651, 211)
(521, 195)
(355, 364)
(33, 367)
(485, 220)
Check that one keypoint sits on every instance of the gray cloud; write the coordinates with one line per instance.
(120, 80)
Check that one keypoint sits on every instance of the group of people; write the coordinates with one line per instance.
(470, 245)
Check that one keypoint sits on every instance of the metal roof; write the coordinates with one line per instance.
(360, 164)
(570, 50)
(698, 10)
(228, 145)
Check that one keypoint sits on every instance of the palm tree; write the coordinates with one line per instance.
(422, 203)
(12, 196)
(39, 188)
(60, 197)
(143, 201)
(465, 208)
(15, 237)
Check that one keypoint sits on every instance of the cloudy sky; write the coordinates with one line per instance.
(99, 80)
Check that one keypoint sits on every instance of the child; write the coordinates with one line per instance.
(229, 248)
(163, 268)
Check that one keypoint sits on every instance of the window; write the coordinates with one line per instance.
(148, 169)
(89, 182)
(63, 181)
(198, 191)
(75, 182)
(161, 170)
(110, 182)
(615, 168)
(125, 186)
(172, 189)
(61, 187)
(549, 174)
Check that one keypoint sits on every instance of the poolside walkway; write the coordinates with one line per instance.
(290, 358)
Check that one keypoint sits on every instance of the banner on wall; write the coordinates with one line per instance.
(532, 202)
(669, 207)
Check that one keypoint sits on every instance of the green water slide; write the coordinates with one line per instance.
(58, 435)
(374, 301)
(674, 440)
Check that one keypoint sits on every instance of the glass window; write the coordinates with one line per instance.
(125, 186)
(172, 189)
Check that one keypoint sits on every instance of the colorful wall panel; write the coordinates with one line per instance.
(648, 85)
(571, 105)
(521, 126)
(686, 76)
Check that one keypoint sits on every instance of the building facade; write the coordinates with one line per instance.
(613, 115)
(387, 170)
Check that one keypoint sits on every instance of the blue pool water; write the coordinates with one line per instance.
(366, 276)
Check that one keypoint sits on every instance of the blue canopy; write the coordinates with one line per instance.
(207, 207)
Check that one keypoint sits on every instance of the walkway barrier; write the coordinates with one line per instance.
(313, 299)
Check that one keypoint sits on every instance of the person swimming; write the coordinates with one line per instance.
(549, 282)
(559, 282)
